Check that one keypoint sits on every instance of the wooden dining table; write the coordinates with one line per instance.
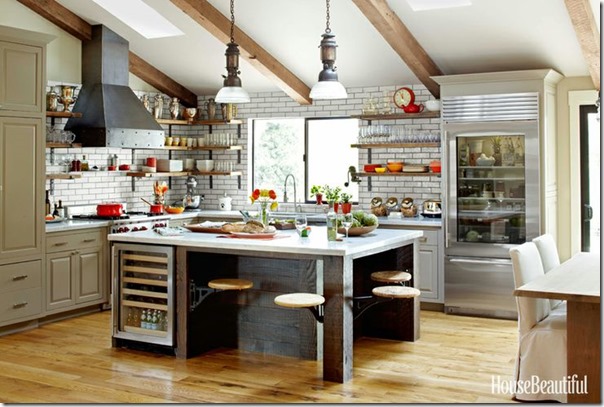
(577, 281)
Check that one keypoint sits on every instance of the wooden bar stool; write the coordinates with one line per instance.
(312, 302)
(391, 277)
(198, 294)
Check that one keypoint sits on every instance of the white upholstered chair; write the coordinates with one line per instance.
(541, 334)
(550, 259)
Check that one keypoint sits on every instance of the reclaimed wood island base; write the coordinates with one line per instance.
(251, 321)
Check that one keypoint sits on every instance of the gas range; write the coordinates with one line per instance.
(128, 222)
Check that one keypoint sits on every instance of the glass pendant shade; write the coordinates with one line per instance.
(328, 90)
(232, 94)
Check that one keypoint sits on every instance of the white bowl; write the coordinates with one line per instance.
(432, 105)
(205, 165)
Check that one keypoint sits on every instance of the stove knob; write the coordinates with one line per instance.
(143, 228)
(126, 228)
(135, 229)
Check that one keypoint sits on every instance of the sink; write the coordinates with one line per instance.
(311, 217)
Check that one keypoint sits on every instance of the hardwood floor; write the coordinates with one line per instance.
(72, 361)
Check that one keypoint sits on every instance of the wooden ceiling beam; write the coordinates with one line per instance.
(387, 23)
(212, 20)
(582, 18)
(80, 29)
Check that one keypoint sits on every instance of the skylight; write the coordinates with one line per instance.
(422, 5)
(142, 18)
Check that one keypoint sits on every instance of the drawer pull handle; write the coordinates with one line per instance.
(89, 240)
(21, 277)
(423, 239)
(60, 244)
(20, 304)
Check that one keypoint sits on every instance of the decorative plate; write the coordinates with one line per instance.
(245, 235)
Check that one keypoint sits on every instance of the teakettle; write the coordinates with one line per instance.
(413, 108)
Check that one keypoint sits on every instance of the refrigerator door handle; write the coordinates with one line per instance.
(481, 261)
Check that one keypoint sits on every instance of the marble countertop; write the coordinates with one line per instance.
(285, 241)
(230, 216)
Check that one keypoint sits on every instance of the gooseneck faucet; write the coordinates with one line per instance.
(299, 208)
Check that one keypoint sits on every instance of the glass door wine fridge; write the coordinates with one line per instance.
(143, 294)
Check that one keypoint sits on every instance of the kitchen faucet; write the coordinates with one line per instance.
(295, 196)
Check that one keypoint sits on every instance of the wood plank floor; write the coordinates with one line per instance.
(72, 361)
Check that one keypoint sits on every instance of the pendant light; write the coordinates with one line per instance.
(232, 92)
(328, 86)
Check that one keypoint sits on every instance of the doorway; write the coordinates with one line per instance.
(589, 133)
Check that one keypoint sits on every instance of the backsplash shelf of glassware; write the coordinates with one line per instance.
(143, 294)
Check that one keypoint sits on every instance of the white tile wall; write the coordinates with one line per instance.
(104, 186)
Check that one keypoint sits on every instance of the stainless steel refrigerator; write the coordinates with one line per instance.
(491, 168)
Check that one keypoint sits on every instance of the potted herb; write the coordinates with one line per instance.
(317, 191)
(332, 195)
(345, 201)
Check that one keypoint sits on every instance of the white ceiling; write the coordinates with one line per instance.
(490, 35)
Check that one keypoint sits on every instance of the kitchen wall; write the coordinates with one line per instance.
(101, 186)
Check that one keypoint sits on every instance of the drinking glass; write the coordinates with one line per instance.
(300, 222)
(347, 222)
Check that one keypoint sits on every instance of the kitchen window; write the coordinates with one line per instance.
(316, 151)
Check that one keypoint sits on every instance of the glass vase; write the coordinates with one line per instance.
(264, 213)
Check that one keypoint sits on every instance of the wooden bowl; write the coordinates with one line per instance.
(358, 231)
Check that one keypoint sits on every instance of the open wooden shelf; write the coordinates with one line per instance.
(206, 148)
(398, 116)
(69, 175)
(63, 114)
(63, 145)
(398, 174)
(142, 174)
(395, 145)
(198, 122)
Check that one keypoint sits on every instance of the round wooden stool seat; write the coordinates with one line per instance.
(230, 284)
(395, 291)
(391, 276)
(299, 300)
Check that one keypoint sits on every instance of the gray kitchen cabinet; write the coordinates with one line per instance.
(76, 269)
(22, 139)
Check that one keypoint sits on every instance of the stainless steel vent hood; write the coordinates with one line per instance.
(112, 115)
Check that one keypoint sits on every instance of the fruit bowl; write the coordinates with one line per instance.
(174, 209)
(358, 231)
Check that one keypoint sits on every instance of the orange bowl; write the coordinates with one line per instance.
(175, 209)
(394, 167)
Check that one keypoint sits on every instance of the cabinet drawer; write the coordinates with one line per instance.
(430, 237)
(20, 304)
(19, 276)
(56, 242)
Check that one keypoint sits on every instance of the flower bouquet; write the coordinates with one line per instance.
(264, 197)
(159, 191)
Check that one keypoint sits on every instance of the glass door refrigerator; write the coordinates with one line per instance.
(492, 198)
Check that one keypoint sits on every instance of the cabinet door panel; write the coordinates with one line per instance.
(59, 282)
(21, 77)
(89, 281)
(428, 272)
(21, 205)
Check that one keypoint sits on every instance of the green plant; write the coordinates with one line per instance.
(332, 194)
(316, 189)
(345, 198)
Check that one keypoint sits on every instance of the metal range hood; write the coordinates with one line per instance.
(112, 115)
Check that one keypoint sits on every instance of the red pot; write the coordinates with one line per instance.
(109, 209)
(156, 208)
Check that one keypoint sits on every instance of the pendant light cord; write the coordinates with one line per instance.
(233, 21)
(327, 29)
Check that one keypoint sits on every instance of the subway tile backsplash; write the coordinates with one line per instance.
(105, 186)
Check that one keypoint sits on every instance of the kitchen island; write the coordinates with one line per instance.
(287, 263)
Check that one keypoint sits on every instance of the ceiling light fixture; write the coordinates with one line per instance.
(328, 86)
(232, 92)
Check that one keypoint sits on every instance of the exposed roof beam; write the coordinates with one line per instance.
(588, 35)
(402, 41)
(202, 12)
(79, 28)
